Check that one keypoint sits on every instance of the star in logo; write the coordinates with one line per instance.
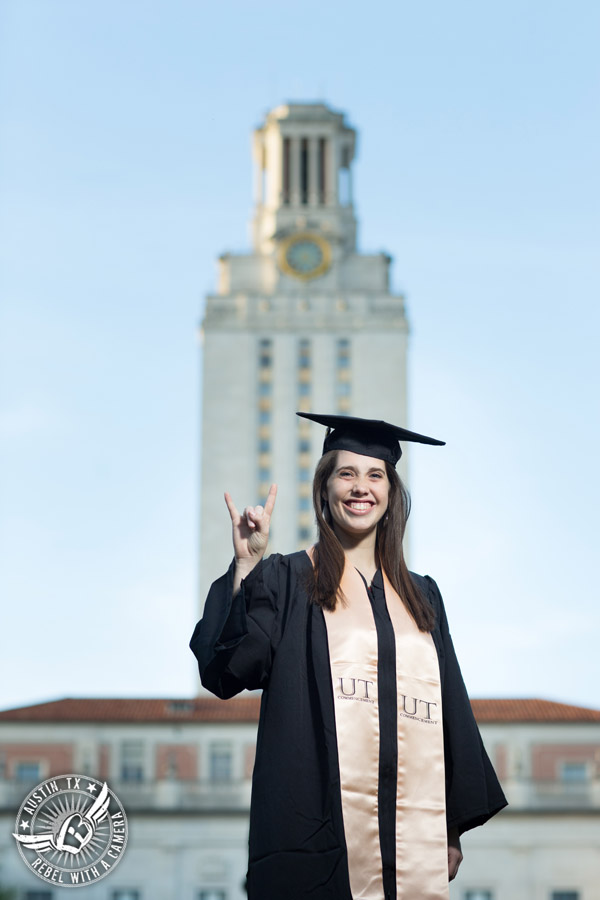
(92, 787)
(24, 824)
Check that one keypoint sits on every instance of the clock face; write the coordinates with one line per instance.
(305, 256)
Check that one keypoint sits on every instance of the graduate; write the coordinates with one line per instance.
(369, 763)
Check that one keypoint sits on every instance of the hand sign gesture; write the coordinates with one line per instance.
(251, 530)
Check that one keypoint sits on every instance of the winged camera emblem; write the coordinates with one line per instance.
(74, 832)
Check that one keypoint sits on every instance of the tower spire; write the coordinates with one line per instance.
(303, 155)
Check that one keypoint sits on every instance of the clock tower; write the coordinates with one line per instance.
(302, 322)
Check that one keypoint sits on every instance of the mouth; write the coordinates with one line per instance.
(359, 506)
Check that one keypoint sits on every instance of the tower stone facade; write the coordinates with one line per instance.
(302, 322)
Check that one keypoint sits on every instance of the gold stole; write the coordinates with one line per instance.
(421, 840)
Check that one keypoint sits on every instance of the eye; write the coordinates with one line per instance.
(378, 475)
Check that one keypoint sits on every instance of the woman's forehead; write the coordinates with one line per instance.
(358, 461)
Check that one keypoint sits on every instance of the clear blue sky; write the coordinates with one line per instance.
(125, 170)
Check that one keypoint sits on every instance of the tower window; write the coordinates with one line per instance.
(304, 354)
(304, 171)
(343, 385)
(321, 174)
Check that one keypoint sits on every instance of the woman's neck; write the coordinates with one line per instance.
(359, 551)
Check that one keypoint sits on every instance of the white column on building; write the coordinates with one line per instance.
(331, 178)
(274, 168)
(349, 176)
(259, 155)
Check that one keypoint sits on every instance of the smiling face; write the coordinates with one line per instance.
(357, 493)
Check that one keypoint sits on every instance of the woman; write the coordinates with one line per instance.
(369, 764)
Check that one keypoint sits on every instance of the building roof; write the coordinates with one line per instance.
(118, 709)
(246, 709)
(531, 710)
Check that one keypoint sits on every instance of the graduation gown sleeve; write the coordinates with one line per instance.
(473, 792)
(235, 640)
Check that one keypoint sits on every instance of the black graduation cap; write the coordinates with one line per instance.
(369, 437)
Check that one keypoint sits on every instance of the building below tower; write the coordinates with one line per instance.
(182, 769)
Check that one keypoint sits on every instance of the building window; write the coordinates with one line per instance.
(221, 762)
(478, 895)
(132, 761)
(28, 771)
(564, 895)
(125, 894)
(573, 772)
(181, 706)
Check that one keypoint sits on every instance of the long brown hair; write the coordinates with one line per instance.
(329, 556)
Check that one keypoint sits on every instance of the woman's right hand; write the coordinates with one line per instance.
(251, 530)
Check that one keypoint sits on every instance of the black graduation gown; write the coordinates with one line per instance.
(269, 636)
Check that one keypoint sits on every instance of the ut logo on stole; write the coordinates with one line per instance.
(354, 689)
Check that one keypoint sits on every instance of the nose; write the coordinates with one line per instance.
(360, 486)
